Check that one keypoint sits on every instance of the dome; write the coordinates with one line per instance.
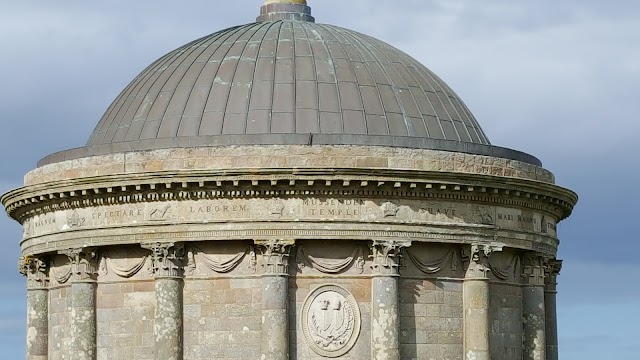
(286, 77)
(286, 80)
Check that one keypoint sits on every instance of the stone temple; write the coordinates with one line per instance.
(289, 190)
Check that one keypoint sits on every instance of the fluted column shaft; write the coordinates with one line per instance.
(551, 318)
(36, 271)
(533, 309)
(475, 292)
(83, 303)
(168, 270)
(274, 342)
(385, 319)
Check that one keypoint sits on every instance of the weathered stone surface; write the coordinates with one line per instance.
(385, 319)
(83, 321)
(550, 306)
(476, 302)
(294, 156)
(275, 318)
(431, 318)
(125, 319)
(167, 329)
(37, 324)
(533, 314)
(385, 310)
(506, 333)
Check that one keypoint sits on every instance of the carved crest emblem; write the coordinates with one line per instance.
(276, 208)
(485, 215)
(390, 209)
(75, 220)
(330, 321)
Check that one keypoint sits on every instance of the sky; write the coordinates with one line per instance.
(557, 79)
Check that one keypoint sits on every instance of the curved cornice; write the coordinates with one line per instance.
(193, 184)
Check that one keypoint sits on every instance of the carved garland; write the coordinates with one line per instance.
(218, 265)
(511, 271)
(107, 264)
(433, 267)
(328, 266)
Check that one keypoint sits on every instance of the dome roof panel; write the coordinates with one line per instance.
(282, 78)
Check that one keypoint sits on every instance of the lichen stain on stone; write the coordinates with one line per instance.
(383, 325)
(32, 334)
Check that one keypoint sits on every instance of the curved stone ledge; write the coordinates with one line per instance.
(317, 141)
(269, 183)
(286, 156)
(193, 232)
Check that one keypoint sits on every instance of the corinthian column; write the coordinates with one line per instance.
(533, 310)
(475, 292)
(83, 302)
(168, 269)
(35, 269)
(551, 319)
(385, 320)
(275, 298)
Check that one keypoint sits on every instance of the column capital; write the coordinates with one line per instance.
(387, 256)
(477, 258)
(84, 263)
(275, 255)
(36, 270)
(551, 272)
(535, 267)
(167, 259)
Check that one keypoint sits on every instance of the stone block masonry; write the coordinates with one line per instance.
(125, 317)
(222, 318)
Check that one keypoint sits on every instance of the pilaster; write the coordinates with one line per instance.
(84, 266)
(385, 320)
(37, 273)
(551, 318)
(533, 307)
(168, 268)
(476, 301)
(275, 298)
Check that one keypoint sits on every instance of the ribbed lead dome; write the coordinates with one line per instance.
(265, 82)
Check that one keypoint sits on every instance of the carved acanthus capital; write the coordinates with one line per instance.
(387, 256)
(477, 257)
(552, 271)
(167, 259)
(84, 263)
(36, 270)
(534, 269)
(275, 255)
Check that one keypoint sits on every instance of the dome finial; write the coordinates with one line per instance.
(274, 10)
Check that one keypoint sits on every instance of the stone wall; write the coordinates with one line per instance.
(431, 325)
(124, 314)
(223, 304)
(59, 322)
(222, 318)
(505, 325)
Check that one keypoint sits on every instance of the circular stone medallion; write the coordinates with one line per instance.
(330, 321)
